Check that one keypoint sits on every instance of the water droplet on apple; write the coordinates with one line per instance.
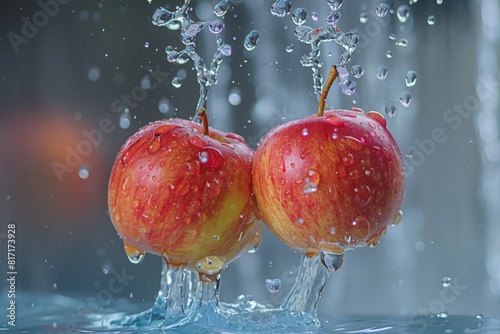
(311, 181)
(360, 228)
(300, 221)
(398, 218)
(335, 120)
(216, 237)
(136, 258)
(212, 188)
(134, 254)
(332, 261)
(210, 264)
(126, 157)
(165, 128)
(386, 152)
(378, 117)
(273, 285)
(210, 157)
(197, 141)
(353, 143)
(332, 230)
(305, 132)
(362, 195)
(154, 145)
(348, 160)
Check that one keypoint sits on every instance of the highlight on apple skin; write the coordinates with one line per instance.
(184, 195)
(331, 182)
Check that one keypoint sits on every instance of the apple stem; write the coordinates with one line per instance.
(202, 112)
(329, 81)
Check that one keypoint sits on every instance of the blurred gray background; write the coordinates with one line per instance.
(76, 68)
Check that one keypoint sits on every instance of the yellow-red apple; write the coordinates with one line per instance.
(331, 182)
(184, 195)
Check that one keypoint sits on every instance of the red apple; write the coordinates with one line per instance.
(329, 183)
(184, 195)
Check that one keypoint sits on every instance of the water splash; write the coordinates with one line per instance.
(180, 19)
(316, 36)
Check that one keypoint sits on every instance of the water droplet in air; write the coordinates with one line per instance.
(403, 13)
(54, 286)
(382, 72)
(106, 267)
(314, 16)
(251, 40)
(402, 43)
(221, 8)
(281, 8)
(289, 48)
(176, 82)
(124, 120)
(390, 109)
(348, 88)
(273, 285)
(54, 325)
(392, 37)
(363, 17)
(479, 316)
(410, 152)
(216, 26)
(194, 29)
(381, 10)
(411, 78)
(442, 315)
(357, 71)
(331, 261)
(299, 16)
(146, 44)
(226, 50)
(446, 282)
(84, 173)
(335, 4)
(345, 57)
(389, 54)
(439, 2)
(405, 99)
(211, 157)
(431, 20)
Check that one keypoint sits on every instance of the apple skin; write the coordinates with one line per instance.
(329, 183)
(176, 192)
